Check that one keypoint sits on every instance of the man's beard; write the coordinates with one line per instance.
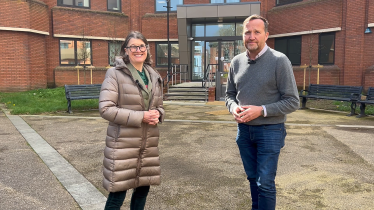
(251, 48)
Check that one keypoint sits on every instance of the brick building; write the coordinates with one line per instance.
(42, 41)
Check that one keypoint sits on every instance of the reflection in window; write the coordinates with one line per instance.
(282, 2)
(239, 29)
(162, 54)
(198, 30)
(198, 60)
(326, 51)
(114, 50)
(239, 47)
(161, 5)
(114, 5)
(291, 47)
(74, 3)
(73, 52)
(220, 29)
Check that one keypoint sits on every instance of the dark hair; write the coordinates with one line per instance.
(254, 17)
(135, 35)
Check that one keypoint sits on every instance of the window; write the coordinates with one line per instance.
(114, 5)
(74, 52)
(161, 5)
(326, 48)
(223, 1)
(282, 2)
(220, 29)
(291, 47)
(162, 53)
(74, 3)
(114, 50)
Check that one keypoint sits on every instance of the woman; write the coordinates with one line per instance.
(131, 100)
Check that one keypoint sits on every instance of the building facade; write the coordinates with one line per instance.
(43, 41)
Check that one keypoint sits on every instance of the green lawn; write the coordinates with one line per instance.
(43, 101)
(53, 100)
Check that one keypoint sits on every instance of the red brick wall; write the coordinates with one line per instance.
(72, 21)
(371, 12)
(69, 76)
(37, 75)
(151, 32)
(304, 16)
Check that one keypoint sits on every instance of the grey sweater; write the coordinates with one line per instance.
(269, 82)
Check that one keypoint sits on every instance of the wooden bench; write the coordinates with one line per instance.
(78, 92)
(333, 92)
(369, 100)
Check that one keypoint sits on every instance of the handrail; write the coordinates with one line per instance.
(171, 76)
(208, 75)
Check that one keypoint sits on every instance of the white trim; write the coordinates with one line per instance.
(307, 32)
(371, 25)
(23, 30)
(162, 40)
(87, 37)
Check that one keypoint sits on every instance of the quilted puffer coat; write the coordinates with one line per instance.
(131, 156)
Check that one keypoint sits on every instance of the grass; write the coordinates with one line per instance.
(43, 101)
(53, 100)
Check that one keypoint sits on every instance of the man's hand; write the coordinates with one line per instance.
(245, 114)
(151, 117)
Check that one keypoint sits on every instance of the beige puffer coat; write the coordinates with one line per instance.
(131, 156)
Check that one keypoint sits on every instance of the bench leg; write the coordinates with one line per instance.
(69, 107)
(362, 110)
(353, 109)
(303, 103)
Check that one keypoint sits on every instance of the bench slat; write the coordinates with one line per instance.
(78, 92)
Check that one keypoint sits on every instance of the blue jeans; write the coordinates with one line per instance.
(259, 148)
(138, 199)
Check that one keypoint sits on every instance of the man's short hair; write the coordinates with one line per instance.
(254, 17)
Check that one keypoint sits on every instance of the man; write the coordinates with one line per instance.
(261, 90)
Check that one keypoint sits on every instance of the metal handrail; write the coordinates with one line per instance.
(172, 75)
(207, 77)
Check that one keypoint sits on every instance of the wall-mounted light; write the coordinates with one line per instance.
(190, 38)
(220, 20)
(368, 30)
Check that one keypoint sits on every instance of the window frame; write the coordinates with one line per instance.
(225, 2)
(75, 52)
(171, 11)
(73, 6)
(319, 48)
(288, 38)
(163, 42)
(111, 10)
(294, 1)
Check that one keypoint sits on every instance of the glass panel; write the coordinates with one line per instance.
(232, 1)
(162, 54)
(84, 52)
(65, 2)
(281, 45)
(198, 30)
(67, 55)
(239, 29)
(221, 29)
(114, 50)
(161, 5)
(82, 3)
(294, 50)
(281, 2)
(326, 50)
(239, 47)
(217, 1)
(212, 57)
(198, 60)
(114, 5)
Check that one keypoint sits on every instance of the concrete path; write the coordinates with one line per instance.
(327, 162)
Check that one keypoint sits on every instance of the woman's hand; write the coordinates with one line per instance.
(151, 117)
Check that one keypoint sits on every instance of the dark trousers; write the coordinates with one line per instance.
(259, 148)
(138, 199)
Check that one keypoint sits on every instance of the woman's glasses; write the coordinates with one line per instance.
(133, 48)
